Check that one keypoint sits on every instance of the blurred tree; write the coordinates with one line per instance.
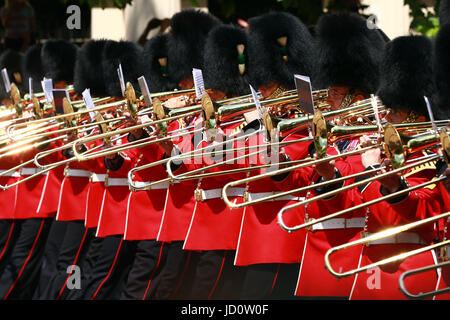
(425, 18)
(101, 3)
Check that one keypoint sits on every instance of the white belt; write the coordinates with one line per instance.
(76, 173)
(159, 186)
(15, 174)
(401, 238)
(98, 177)
(32, 171)
(202, 195)
(339, 223)
(260, 195)
(116, 182)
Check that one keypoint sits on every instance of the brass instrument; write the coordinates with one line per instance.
(224, 113)
(207, 108)
(423, 295)
(382, 235)
(398, 160)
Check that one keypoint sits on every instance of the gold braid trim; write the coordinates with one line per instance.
(412, 117)
(346, 102)
(278, 91)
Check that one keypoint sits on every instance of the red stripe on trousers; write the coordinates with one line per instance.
(110, 270)
(26, 260)
(73, 263)
(218, 276)
(7, 241)
(154, 270)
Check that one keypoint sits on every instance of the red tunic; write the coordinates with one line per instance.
(444, 279)
(74, 191)
(114, 210)
(321, 238)
(145, 207)
(382, 283)
(261, 239)
(180, 201)
(96, 192)
(36, 197)
(8, 197)
(214, 226)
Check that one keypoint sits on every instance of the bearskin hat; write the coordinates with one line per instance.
(58, 60)
(32, 67)
(226, 65)
(126, 53)
(154, 61)
(189, 30)
(441, 66)
(12, 61)
(88, 68)
(406, 74)
(280, 45)
(348, 52)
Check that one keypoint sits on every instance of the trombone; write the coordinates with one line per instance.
(320, 137)
(423, 295)
(228, 112)
(386, 234)
(304, 121)
(399, 169)
(336, 133)
(22, 145)
(46, 168)
(207, 108)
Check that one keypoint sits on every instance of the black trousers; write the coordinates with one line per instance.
(108, 275)
(175, 279)
(50, 259)
(71, 252)
(87, 264)
(21, 273)
(216, 278)
(8, 235)
(274, 281)
(149, 261)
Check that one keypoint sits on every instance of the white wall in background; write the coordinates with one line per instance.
(142, 11)
(129, 23)
(107, 23)
(393, 16)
